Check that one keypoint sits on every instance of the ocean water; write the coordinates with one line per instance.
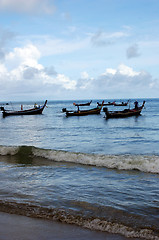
(96, 173)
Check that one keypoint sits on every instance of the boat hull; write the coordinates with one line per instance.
(83, 112)
(83, 104)
(120, 104)
(105, 104)
(122, 115)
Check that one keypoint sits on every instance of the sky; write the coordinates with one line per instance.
(79, 49)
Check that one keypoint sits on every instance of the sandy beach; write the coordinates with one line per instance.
(18, 227)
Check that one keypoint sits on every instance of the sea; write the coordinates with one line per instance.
(97, 173)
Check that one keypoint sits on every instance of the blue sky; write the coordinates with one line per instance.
(77, 49)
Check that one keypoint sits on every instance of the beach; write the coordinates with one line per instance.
(18, 227)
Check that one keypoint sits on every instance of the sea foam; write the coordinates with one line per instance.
(71, 217)
(143, 163)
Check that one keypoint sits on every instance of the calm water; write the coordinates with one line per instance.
(97, 173)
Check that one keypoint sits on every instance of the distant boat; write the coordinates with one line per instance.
(106, 104)
(121, 104)
(83, 104)
(114, 103)
(124, 113)
(32, 111)
(96, 110)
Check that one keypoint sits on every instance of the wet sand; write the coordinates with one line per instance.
(18, 227)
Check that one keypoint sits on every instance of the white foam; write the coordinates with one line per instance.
(5, 150)
(122, 162)
(143, 163)
(70, 217)
(117, 228)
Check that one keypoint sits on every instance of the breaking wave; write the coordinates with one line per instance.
(72, 217)
(143, 163)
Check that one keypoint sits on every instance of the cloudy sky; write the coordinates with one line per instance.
(78, 49)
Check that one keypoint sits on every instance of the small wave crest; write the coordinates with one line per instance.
(143, 163)
(72, 217)
(122, 162)
(5, 150)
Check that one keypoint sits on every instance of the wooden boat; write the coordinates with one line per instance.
(32, 111)
(124, 113)
(121, 104)
(83, 104)
(106, 104)
(96, 110)
(114, 103)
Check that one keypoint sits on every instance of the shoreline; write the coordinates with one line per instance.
(17, 227)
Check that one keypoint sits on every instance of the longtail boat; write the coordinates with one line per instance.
(121, 104)
(82, 104)
(114, 103)
(124, 113)
(32, 111)
(79, 112)
(106, 104)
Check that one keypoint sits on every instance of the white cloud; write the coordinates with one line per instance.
(28, 6)
(122, 82)
(26, 56)
(66, 82)
(84, 81)
(121, 70)
(127, 71)
(102, 38)
(21, 75)
(126, 82)
(53, 46)
(50, 45)
(3, 69)
(110, 71)
(60, 80)
(84, 75)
